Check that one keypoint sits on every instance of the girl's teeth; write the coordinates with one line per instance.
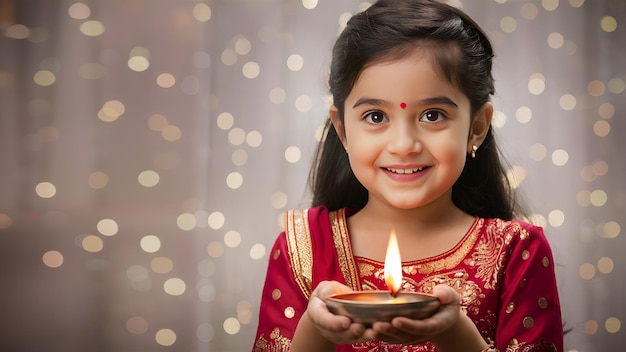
(406, 171)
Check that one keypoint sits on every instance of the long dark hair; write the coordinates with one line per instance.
(460, 50)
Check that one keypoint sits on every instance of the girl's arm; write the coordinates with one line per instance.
(529, 315)
(282, 302)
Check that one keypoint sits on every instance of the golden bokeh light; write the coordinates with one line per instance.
(229, 57)
(234, 180)
(174, 286)
(508, 24)
(242, 46)
(44, 78)
(257, 251)
(92, 243)
(556, 218)
(587, 271)
(608, 24)
(611, 229)
(161, 265)
(295, 62)
(560, 157)
(529, 11)
(225, 121)
(202, 12)
(216, 220)
(107, 227)
(215, 249)
(309, 4)
(605, 265)
(79, 11)
(52, 259)
(232, 239)
(523, 114)
(150, 243)
(186, 221)
(293, 154)
(92, 28)
(171, 133)
(613, 325)
(165, 80)
(556, 40)
(536, 84)
(165, 337)
(231, 326)
(601, 128)
(550, 5)
(148, 178)
(45, 189)
(251, 70)
(236, 136)
(304, 103)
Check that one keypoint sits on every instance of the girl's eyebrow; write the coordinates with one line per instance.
(440, 100)
(371, 101)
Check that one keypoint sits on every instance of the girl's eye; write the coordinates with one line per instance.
(375, 117)
(432, 116)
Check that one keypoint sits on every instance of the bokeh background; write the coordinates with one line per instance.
(149, 147)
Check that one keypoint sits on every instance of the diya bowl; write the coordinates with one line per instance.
(366, 307)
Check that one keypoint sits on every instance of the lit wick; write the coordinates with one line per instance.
(393, 265)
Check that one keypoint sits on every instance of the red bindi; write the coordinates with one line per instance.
(403, 105)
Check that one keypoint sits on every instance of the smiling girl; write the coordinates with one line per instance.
(409, 145)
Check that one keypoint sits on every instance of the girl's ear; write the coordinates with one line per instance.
(334, 118)
(480, 126)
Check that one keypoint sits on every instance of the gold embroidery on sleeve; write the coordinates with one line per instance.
(341, 239)
(277, 343)
(488, 257)
(300, 248)
(542, 345)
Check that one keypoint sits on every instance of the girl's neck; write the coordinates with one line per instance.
(417, 220)
(422, 232)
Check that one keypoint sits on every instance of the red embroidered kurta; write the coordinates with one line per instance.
(503, 271)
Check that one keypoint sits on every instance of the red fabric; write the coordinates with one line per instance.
(503, 270)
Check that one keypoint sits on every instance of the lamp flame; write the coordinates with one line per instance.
(393, 264)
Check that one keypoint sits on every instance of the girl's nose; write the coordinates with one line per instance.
(404, 140)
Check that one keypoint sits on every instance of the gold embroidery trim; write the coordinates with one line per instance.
(300, 248)
(341, 239)
(452, 258)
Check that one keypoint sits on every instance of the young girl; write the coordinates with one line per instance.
(409, 146)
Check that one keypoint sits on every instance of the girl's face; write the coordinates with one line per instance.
(407, 133)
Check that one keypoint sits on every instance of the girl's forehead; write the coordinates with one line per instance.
(443, 59)
(408, 71)
(405, 79)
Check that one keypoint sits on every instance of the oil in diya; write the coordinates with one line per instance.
(367, 307)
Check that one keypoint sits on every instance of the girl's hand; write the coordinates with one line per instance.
(335, 328)
(407, 331)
